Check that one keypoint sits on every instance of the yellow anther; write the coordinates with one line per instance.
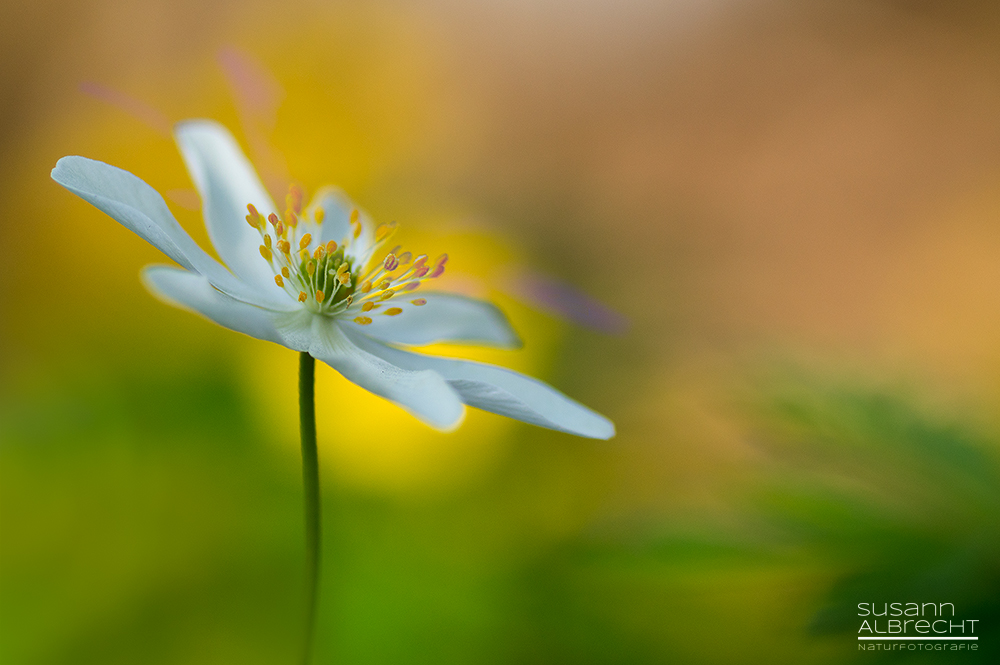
(384, 284)
(306, 239)
(280, 282)
(252, 221)
(304, 254)
(367, 307)
(343, 267)
(355, 222)
(349, 299)
(331, 247)
(284, 246)
(384, 231)
(393, 311)
(302, 296)
(293, 219)
(362, 320)
(320, 295)
(273, 219)
(320, 251)
(265, 252)
(285, 272)
(310, 267)
(320, 214)
(419, 301)
(279, 228)
(366, 287)
(252, 210)
(388, 293)
(344, 278)
(267, 240)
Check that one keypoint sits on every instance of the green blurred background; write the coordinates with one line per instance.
(794, 206)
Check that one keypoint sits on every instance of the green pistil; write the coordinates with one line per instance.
(330, 263)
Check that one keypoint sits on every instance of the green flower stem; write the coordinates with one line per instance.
(310, 484)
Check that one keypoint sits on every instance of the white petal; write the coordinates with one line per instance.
(295, 328)
(423, 393)
(446, 317)
(140, 208)
(500, 390)
(337, 208)
(128, 199)
(336, 214)
(227, 182)
(192, 291)
(362, 247)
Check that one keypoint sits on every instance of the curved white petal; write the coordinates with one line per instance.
(227, 182)
(362, 247)
(499, 390)
(337, 209)
(189, 290)
(140, 208)
(295, 328)
(136, 205)
(421, 392)
(446, 317)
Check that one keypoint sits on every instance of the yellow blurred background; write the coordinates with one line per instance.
(794, 207)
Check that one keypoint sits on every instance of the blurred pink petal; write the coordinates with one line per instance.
(186, 198)
(257, 94)
(138, 109)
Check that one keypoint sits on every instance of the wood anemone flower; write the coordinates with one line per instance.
(317, 279)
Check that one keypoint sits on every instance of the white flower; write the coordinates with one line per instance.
(306, 279)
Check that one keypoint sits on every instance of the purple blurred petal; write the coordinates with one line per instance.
(139, 110)
(561, 299)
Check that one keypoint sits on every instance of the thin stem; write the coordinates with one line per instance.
(310, 484)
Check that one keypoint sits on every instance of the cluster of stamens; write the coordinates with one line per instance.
(326, 278)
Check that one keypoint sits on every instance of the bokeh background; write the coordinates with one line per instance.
(761, 236)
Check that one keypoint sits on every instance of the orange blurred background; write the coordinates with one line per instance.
(793, 205)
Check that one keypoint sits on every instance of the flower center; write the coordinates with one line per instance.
(328, 278)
